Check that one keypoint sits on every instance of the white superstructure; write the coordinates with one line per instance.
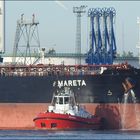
(2, 35)
(64, 103)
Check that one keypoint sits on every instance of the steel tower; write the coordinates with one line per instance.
(27, 44)
(79, 11)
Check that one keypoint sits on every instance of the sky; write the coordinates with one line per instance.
(57, 23)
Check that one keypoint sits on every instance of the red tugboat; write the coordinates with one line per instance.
(65, 114)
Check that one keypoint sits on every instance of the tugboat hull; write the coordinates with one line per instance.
(55, 121)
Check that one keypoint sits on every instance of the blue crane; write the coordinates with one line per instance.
(102, 39)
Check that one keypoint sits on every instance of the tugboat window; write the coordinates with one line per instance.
(66, 100)
(43, 124)
(53, 125)
(61, 100)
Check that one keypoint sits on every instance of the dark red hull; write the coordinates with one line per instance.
(118, 116)
(55, 121)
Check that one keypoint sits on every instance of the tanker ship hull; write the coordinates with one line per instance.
(105, 88)
(23, 97)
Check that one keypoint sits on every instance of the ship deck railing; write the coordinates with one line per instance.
(45, 70)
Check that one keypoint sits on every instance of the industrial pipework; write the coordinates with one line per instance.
(102, 39)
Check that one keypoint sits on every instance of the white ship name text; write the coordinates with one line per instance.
(62, 83)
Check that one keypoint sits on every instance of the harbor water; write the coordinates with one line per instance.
(80, 135)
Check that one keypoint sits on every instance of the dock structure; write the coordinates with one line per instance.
(102, 37)
(2, 29)
(138, 44)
